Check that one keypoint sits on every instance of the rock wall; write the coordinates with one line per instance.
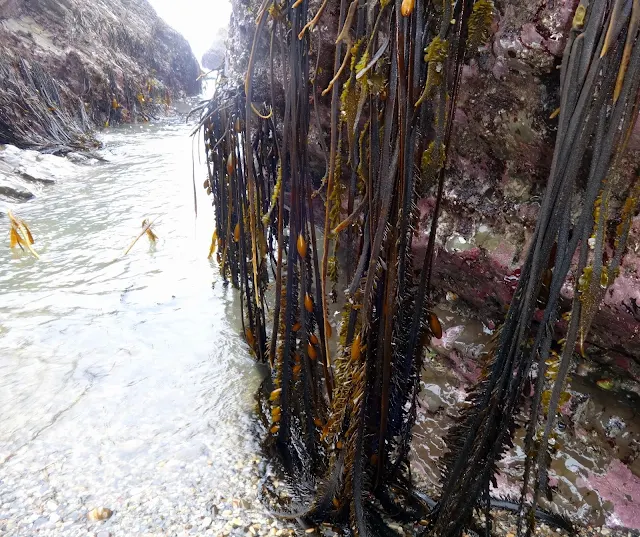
(69, 65)
(502, 146)
(500, 158)
(214, 57)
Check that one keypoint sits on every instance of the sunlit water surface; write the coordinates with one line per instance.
(112, 366)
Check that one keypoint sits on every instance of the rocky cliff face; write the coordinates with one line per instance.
(502, 146)
(214, 57)
(69, 65)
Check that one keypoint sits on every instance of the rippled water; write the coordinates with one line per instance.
(596, 431)
(111, 365)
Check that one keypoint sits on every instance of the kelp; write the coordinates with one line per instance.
(37, 113)
(20, 234)
(146, 230)
(593, 124)
(338, 411)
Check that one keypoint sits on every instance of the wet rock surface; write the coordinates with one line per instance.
(502, 148)
(501, 153)
(214, 57)
(26, 173)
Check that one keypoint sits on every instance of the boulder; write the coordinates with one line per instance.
(213, 59)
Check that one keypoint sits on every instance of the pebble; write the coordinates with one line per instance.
(100, 513)
(37, 523)
(206, 522)
(104, 533)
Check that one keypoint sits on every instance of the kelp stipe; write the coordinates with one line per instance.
(339, 430)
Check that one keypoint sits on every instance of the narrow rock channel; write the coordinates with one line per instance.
(127, 387)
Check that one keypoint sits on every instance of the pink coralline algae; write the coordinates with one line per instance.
(620, 487)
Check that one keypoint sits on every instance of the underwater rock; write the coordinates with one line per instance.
(79, 65)
(620, 487)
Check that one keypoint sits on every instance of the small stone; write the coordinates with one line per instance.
(227, 513)
(510, 535)
(239, 503)
(39, 522)
(100, 513)
(207, 521)
(51, 505)
(605, 531)
(103, 533)
(55, 517)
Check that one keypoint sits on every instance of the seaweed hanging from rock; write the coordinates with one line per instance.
(339, 409)
(594, 121)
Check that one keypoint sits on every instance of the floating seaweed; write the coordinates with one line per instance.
(20, 234)
(338, 414)
(146, 230)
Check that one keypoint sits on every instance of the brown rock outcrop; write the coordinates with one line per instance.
(69, 65)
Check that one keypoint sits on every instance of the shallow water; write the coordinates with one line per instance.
(113, 366)
(596, 430)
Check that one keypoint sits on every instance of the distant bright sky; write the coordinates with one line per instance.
(197, 20)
